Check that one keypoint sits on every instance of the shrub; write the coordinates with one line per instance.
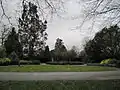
(106, 61)
(65, 63)
(2, 52)
(37, 62)
(25, 62)
(5, 61)
(118, 64)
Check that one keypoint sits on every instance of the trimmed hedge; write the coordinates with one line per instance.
(98, 64)
(36, 62)
(118, 64)
(25, 62)
(65, 63)
(29, 62)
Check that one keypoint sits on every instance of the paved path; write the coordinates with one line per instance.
(105, 75)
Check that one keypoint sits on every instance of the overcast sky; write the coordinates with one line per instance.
(62, 27)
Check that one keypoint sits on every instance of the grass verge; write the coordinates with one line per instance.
(60, 85)
(54, 68)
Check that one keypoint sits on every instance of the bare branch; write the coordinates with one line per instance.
(106, 10)
(4, 14)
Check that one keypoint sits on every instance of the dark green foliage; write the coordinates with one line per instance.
(14, 58)
(47, 54)
(60, 51)
(106, 44)
(29, 62)
(2, 52)
(12, 43)
(31, 31)
(36, 62)
(72, 54)
(118, 64)
(59, 45)
(61, 54)
(25, 62)
(65, 63)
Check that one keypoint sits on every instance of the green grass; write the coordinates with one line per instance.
(60, 85)
(53, 68)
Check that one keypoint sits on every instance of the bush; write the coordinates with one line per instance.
(106, 61)
(36, 62)
(65, 63)
(94, 64)
(118, 64)
(25, 62)
(5, 61)
(2, 52)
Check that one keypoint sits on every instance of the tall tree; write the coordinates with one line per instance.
(72, 54)
(60, 51)
(59, 45)
(12, 43)
(31, 30)
(106, 44)
(47, 54)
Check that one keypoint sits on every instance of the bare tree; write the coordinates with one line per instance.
(106, 10)
(46, 8)
(3, 33)
(4, 12)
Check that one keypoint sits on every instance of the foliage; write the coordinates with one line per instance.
(36, 62)
(83, 56)
(65, 63)
(4, 33)
(106, 61)
(59, 45)
(25, 62)
(118, 64)
(60, 51)
(72, 54)
(5, 61)
(47, 54)
(12, 43)
(31, 30)
(106, 44)
(13, 56)
(2, 52)
(29, 62)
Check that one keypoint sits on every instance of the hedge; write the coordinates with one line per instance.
(65, 63)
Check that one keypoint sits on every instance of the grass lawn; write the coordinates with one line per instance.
(53, 68)
(60, 85)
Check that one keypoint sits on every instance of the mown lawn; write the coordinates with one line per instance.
(53, 68)
(60, 85)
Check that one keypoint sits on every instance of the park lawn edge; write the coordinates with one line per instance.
(55, 68)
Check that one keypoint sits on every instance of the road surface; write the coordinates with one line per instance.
(21, 76)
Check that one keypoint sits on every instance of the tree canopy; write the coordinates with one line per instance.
(12, 43)
(106, 44)
(31, 30)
